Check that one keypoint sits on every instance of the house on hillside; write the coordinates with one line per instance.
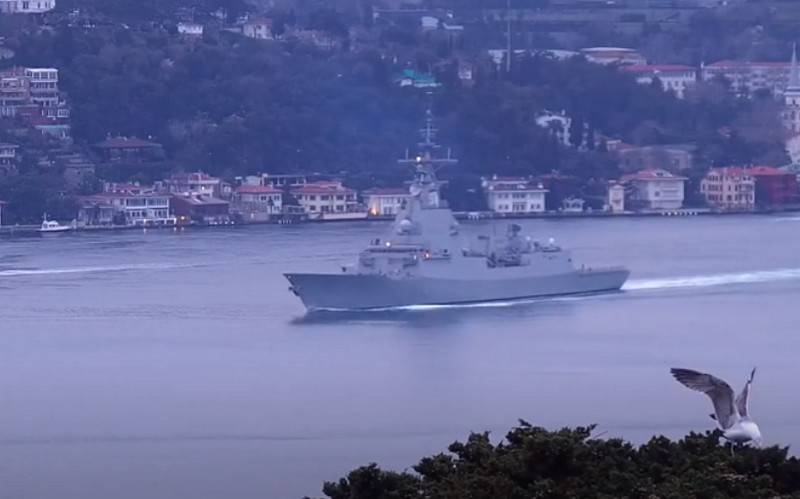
(258, 28)
(8, 158)
(26, 6)
(673, 77)
(129, 150)
(672, 157)
(190, 29)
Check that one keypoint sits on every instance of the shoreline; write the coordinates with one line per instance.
(27, 230)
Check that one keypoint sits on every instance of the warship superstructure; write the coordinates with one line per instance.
(425, 260)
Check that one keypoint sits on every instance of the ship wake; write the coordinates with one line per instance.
(711, 280)
(91, 270)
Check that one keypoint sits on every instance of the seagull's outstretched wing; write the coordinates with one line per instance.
(720, 393)
(743, 400)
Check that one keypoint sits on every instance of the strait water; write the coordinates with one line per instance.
(162, 365)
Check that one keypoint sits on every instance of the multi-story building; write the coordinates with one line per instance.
(259, 28)
(129, 149)
(655, 189)
(190, 29)
(774, 187)
(26, 6)
(615, 203)
(514, 195)
(385, 201)
(14, 93)
(748, 77)
(193, 183)
(200, 209)
(674, 78)
(43, 86)
(257, 203)
(791, 100)
(729, 188)
(325, 198)
(8, 158)
(130, 204)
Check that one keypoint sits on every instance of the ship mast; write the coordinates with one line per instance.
(425, 187)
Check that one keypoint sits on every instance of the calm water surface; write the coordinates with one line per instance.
(161, 365)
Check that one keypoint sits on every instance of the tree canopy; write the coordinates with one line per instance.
(568, 463)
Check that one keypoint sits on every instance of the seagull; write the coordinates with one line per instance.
(732, 415)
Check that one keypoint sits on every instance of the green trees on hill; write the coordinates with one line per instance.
(232, 106)
(569, 463)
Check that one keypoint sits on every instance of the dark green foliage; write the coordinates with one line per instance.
(532, 462)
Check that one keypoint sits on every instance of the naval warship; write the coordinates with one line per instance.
(424, 260)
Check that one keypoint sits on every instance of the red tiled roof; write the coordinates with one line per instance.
(652, 174)
(257, 189)
(125, 143)
(652, 68)
(759, 171)
(386, 191)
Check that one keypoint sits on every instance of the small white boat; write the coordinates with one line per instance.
(53, 226)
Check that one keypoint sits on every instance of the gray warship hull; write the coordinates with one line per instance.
(364, 292)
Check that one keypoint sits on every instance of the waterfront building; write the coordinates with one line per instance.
(127, 204)
(656, 189)
(774, 187)
(385, 201)
(200, 208)
(729, 188)
(26, 6)
(325, 199)
(514, 195)
(673, 77)
(257, 203)
(615, 203)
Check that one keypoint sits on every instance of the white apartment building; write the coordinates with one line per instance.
(656, 189)
(26, 6)
(514, 195)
